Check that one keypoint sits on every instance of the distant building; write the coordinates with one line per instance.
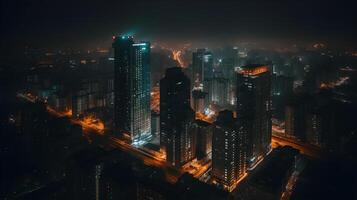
(204, 132)
(228, 151)
(227, 66)
(60, 102)
(198, 100)
(282, 85)
(295, 121)
(80, 103)
(202, 66)
(296, 114)
(132, 89)
(314, 128)
(218, 90)
(254, 109)
(155, 123)
(282, 90)
(321, 126)
(176, 118)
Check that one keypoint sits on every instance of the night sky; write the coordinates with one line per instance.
(86, 23)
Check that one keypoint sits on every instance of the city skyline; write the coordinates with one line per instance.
(178, 100)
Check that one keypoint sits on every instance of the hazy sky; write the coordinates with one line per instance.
(92, 23)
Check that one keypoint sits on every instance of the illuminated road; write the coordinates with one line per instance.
(148, 157)
(305, 149)
(86, 126)
(85, 123)
(278, 139)
(290, 186)
(202, 170)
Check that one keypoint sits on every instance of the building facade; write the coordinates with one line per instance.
(254, 109)
(218, 90)
(132, 89)
(176, 118)
(204, 132)
(228, 151)
(202, 66)
(198, 100)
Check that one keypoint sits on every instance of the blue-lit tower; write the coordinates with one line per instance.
(132, 114)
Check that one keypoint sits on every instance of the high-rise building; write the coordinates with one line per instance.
(202, 66)
(176, 118)
(314, 127)
(198, 100)
(227, 66)
(282, 90)
(204, 132)
(254, 109)
(297, 111)
(132, 89)
(80, 103)
(218, 89)
(155, 123)
(228, 151)
(295, 120)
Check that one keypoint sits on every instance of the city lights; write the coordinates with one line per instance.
(207, 100)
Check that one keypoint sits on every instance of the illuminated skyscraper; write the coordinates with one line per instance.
(132, 89)
(228, 151)
(254, 109)
(176, 118)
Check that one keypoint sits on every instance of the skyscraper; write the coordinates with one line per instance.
(176, 118)
(204, 132)
(198, 100)
(202, 66)
(295, 119)
(218, 89)
(132, 89)
(228, 151)
(254, 109)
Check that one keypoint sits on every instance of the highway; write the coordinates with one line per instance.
(305, 149)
